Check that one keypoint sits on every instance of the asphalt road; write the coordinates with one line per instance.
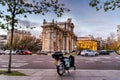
(101, 62)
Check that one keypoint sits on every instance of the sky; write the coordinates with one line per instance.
(86, 19)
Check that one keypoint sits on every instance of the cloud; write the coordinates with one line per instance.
(95, 27)
(3, 32)
(89, 21)
(25, 23)
(35, 31)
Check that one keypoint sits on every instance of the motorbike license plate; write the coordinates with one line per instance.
(57, 62)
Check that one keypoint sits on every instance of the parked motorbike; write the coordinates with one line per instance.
(63, 63)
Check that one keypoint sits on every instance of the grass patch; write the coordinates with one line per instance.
(13, 73)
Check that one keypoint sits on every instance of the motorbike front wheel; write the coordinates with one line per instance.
(61, 69)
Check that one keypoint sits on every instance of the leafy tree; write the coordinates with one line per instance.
(105, 4)
(15, 8)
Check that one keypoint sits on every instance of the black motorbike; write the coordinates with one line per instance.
(63, 63)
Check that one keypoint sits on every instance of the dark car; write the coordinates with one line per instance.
(20, 52)
(104, 52)
(111, 51)
(79, 52)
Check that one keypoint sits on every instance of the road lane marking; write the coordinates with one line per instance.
(117, 57)
(107, 57)
(20, 61)
(15, 65)
(106, 61)
(37, 61)
(89, 61)
(118, 61)
(93, 59)
(4, 65)
(4, 61)
(52, 61)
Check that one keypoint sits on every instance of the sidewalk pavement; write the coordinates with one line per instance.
(51, 74)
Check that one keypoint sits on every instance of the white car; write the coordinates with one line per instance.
(88, 53)
(118, 52)
(8, 52)
(2, 52)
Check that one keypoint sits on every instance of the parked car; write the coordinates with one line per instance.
(79, 52)
(41, 53)
(27, 52)
(96, 52)
(118, 52)
(111, 51)
(104, 52)
(20, 52)
(2, 52)
(88, 53)
(8, 52)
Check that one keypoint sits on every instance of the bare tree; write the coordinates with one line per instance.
(112, 43)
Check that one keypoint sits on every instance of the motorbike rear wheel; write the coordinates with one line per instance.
(61, 69)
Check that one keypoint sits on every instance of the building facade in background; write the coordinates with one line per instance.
(58, 36)
(102, 43)
(3, 41)
(18, 34)
(88, 43)
(24, 40)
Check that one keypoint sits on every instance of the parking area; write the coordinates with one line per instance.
(101, 62)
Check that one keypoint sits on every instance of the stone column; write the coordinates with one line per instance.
(56, 40)
(72, 47)
(63, 39)
(70, 43)
(49, 41)
(67, 44)
(43, 40)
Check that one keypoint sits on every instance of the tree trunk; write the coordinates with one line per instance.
(10, 55)
(11, 44)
